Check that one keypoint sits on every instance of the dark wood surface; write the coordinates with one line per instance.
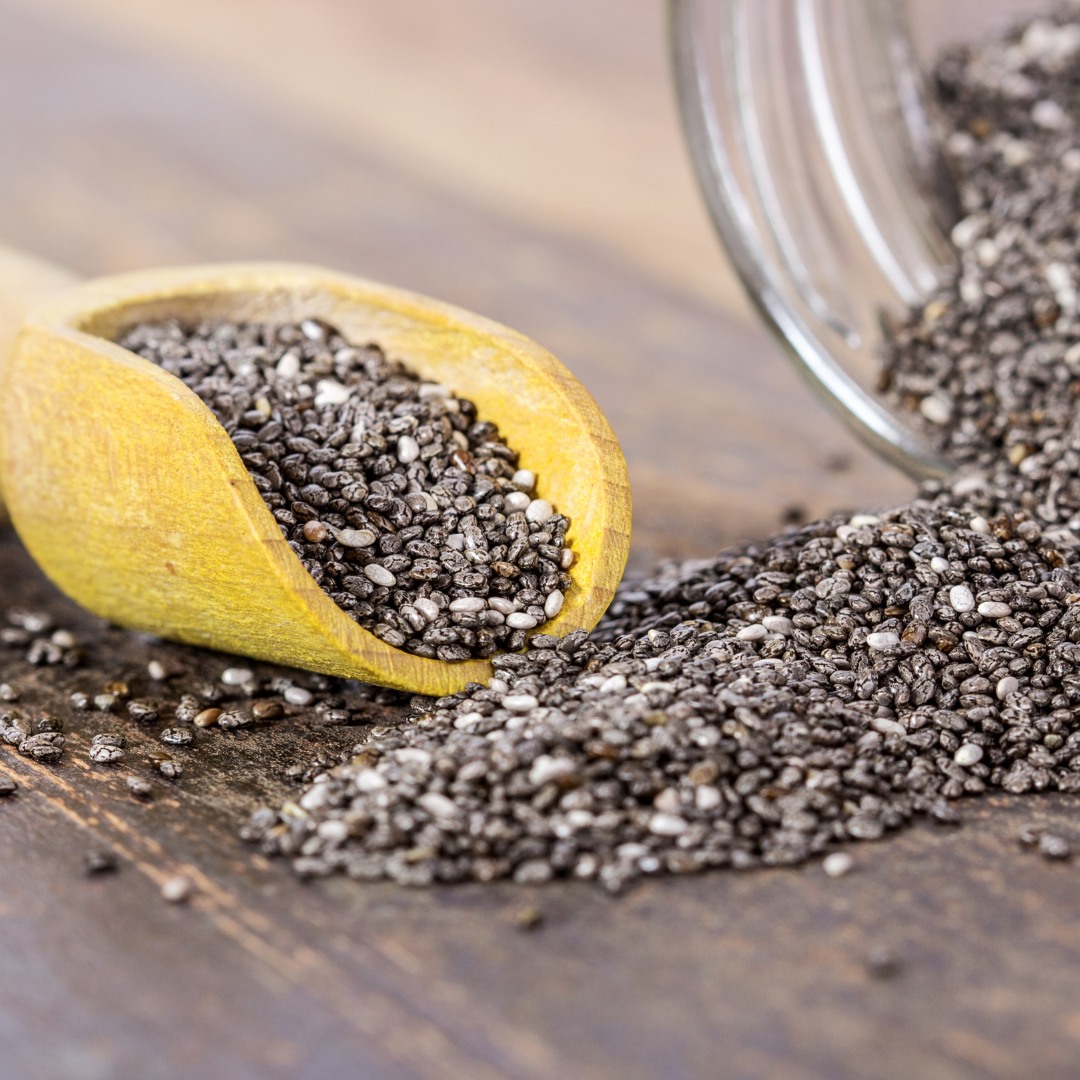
(131, 140)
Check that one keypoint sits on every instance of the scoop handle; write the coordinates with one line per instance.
(24, 280)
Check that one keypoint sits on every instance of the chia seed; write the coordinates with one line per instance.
(177, 736)
(105, 753)
(99, 861)
(529, 919)
(47, 746)
(170, 768)
(177, 889)
(838, 864)
(1054, 847)
(883, 963)
(140, 788)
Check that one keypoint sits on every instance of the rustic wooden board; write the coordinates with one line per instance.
(762, 974)
(123, 153)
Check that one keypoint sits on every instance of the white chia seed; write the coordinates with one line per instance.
(838, 864)
(968, 754)
(961, 598)
(379, 575)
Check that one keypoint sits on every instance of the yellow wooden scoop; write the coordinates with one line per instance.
(132, 498)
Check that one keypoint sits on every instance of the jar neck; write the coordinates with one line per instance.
(811, 136)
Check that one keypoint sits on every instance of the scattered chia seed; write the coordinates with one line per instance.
(266, 710)
(529, 918)
(407, 510)
(105, 753)
(1049, 845)
(838, 864)
(170, 768)
(231, 719)
(140, 788)
(883, 963)
(99, 861)
(143, 712)
(178, 889)
(206, 717)
(7, 786)
(1054, 847)
(1029, 835)
(47, 746)
(177, 736)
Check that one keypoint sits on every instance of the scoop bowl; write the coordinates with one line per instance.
(132, 498)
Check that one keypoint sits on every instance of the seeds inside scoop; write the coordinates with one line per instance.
(407, 509)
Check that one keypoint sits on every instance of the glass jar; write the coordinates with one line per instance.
(811, 130)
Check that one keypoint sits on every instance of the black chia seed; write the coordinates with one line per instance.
(100, 861)
(408, 510)
(882, 962)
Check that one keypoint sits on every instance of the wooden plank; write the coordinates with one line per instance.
(757, 974)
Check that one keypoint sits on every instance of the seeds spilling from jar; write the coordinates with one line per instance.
(408, 510)
(989, 365)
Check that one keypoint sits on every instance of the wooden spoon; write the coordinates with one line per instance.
(134, 501)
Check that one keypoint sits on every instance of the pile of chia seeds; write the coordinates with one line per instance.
(407, 510)
(837, 681)
(754, 709)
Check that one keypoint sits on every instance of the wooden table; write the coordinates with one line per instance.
(522, 160)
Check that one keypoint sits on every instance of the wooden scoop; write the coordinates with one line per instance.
(134, 501)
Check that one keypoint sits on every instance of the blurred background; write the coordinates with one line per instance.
(522, 160)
